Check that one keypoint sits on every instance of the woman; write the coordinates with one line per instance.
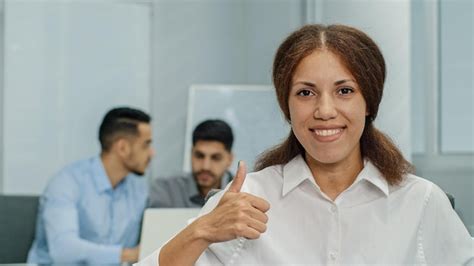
(337, 191)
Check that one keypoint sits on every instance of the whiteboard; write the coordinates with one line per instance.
(251, 110)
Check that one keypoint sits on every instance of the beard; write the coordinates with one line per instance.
(213, 178)
(135, 169)
(138, 172)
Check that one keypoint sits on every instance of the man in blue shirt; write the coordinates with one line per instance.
(91, 210)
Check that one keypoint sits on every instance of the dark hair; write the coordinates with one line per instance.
(119, 122)
(214, 130)
(361, 56)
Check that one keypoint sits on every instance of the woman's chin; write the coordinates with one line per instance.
(324, 157)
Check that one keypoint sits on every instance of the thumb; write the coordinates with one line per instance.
(239, 177)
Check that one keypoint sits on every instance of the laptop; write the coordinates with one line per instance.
(160, 225)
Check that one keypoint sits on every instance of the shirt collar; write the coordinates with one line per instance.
(102, 182)
(296, 171)
(371, 174)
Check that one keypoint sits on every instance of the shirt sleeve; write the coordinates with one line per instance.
(61, 223)
(444, 238)
(207, 258)
(159, 194)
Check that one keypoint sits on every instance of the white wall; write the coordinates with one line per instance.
(457, 76)
(66, 64)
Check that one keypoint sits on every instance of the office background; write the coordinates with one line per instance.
(65, 63)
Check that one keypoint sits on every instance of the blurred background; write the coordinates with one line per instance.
(65, 63)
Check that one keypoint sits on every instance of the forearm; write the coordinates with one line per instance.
(185, 248)
(73, 249)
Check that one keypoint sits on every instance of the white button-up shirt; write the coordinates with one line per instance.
(370, 222)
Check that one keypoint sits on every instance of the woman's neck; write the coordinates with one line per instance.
(334, 178)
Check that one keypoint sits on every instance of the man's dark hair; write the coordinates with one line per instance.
(214, 130)
(119, 122)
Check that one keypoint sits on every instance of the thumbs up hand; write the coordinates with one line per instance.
(239, 178)
(237, 214)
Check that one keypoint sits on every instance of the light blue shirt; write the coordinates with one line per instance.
(82, 219)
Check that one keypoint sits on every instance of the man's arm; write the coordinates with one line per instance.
(61, 221)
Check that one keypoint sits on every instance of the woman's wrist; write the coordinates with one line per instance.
(186, 247)
(200, 233)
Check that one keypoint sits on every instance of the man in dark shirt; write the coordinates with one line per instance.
(211, 156)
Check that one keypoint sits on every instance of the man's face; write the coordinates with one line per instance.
(209, 160)
(141, 150)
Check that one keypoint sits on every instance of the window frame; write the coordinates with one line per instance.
(432, 157)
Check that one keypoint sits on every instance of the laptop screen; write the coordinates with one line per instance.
(161, 224)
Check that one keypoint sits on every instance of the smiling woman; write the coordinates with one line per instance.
(336, 191)
(329, 83)
(328, 116)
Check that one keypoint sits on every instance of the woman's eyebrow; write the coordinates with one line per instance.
(342, 81)
(306, 83)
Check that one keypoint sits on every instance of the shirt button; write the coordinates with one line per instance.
(332, 255)
(333, 208)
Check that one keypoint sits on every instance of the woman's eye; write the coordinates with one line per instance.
(305, 93)
(345, 91)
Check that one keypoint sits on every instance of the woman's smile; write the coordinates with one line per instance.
(328, 134)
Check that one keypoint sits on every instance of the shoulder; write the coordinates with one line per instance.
(172, 181)
(170, 188)
(412, 184)
(433, 194)
(69, 180)
(265, 181)
(418, 189)
(72, 173)
(171, 191)
(266, 174)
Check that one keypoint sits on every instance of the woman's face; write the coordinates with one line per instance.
(327, 109)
